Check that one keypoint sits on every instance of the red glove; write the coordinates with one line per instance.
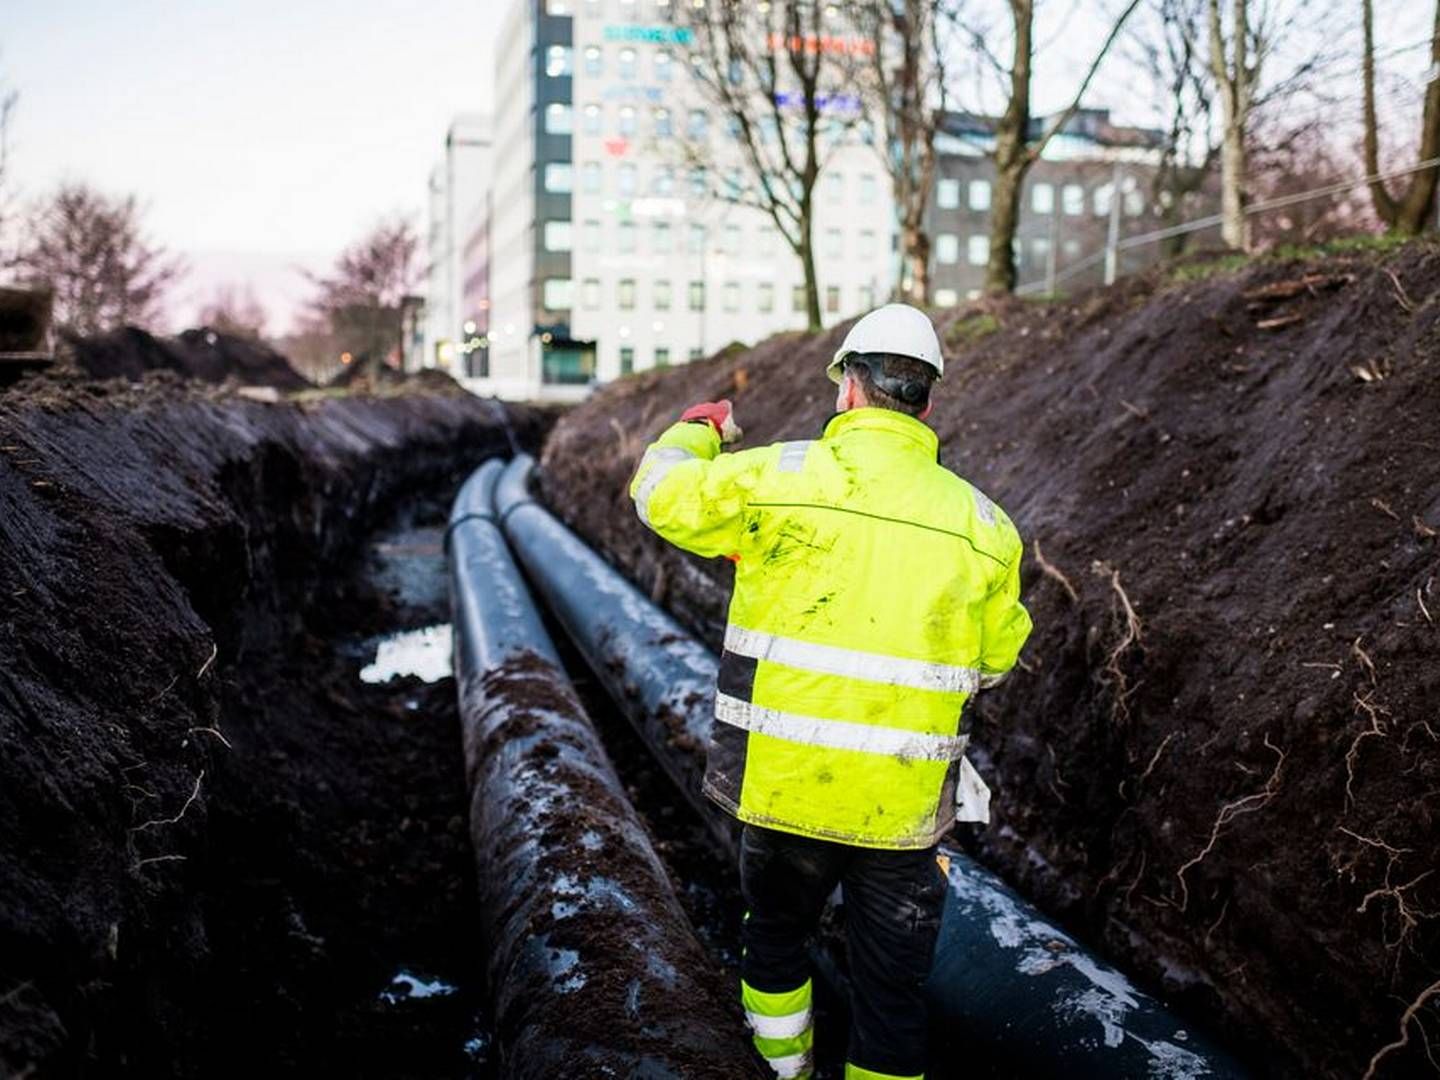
(718, 414)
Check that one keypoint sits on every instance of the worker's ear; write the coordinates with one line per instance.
(929, 408)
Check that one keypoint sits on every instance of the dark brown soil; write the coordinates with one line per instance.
(203, 354)
(219, 847)
(1241, 800)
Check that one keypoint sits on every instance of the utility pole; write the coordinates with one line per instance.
(1112, 241)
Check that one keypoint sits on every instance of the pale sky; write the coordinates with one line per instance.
(260, 134)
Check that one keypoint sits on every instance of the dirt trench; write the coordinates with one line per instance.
(224, 853)
(1219, 760)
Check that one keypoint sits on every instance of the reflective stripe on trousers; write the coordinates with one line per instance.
(782, 1026)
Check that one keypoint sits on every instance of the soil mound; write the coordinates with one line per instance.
(209, 824)
(203, 354)
(1221, 757)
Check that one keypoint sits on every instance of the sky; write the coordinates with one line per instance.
(260, 135)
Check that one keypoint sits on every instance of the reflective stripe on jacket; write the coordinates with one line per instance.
(875, 591)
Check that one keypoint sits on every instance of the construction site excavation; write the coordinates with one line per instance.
(361, 731)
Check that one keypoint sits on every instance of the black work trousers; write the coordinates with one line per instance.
(892, 917)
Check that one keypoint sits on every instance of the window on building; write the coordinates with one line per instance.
(627, 120)
(736, 73)
(1040, 251)
(832, 299)
(1071, 248)
(663, 67)
(731, 245)
(662, 295)
(663, 129)
(590, 294)
(662, 356)
(1072, 200)
(590, 236)
(695, 239)
(626, 245)
(977, 248)
(765, 296)
(947, 248)
(626, 63)
(834, 186)
(867, 297)
(698, 183)
(696, 353)
(557, 61)
(947, 194)
(593, 9)
(559, 177)
(626, 181)
(768, 235)
(732, 296)
(979, 194)
(696, 296)
(557, 119)
(1134, 202)
(867, 243)
(594, 120)
(663, 182)
(625, 294)
(559, 294)
(591, 178)
(946, 298)
(769, 129)
(697, 124)
(733, 126)
(1042, 198)
(797, 299)
(834, 244)
(557, 236)
(734, 185)
(868, 187)
(662, 238)
(558, 7)
(594, 60)
(627, 359)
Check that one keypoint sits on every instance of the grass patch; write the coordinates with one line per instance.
(972, 328)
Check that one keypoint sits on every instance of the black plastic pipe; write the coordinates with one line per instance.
(593, 967)
(1010, 994)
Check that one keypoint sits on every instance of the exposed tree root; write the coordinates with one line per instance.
(1377, 729)
(1412, 1012)
(1131, 634)
(1052, 571)
(1246, 805)
(1408, 916)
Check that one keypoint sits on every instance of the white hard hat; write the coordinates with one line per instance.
(898, 329)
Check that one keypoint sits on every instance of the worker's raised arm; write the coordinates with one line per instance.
(687, 491)
(1006, 622)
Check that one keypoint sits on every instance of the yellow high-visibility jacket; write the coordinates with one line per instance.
(875, 591)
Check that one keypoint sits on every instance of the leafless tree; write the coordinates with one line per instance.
(1407, 211)
(89, 250)
(1015, 151)
(8, 97)
(1168, 42)
(905, 84)
(359, 301)
(1235, 65)
(235, 311)
(782, 79)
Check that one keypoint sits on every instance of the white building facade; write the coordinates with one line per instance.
(606, 253)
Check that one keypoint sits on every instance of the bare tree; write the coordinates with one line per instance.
(8, 97)
(1015, 151)
(1235, 65)
(89, 250)
(1407, 211)
(906, 86)
(235, 311)
(359, 301)
(781, 78)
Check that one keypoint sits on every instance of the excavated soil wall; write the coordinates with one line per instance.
(1220, 758)
(210, 826)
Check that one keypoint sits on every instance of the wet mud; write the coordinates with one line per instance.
(1219, 759)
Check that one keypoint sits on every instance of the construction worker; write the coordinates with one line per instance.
(875, 591)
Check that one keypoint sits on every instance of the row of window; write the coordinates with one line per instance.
(559, 236)
(559, 179)
(1042, 197)
(659, 358)
(627, 10)
(558, 294)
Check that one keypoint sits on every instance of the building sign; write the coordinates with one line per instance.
(650, 35)
(843, 104)
(828, 44)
